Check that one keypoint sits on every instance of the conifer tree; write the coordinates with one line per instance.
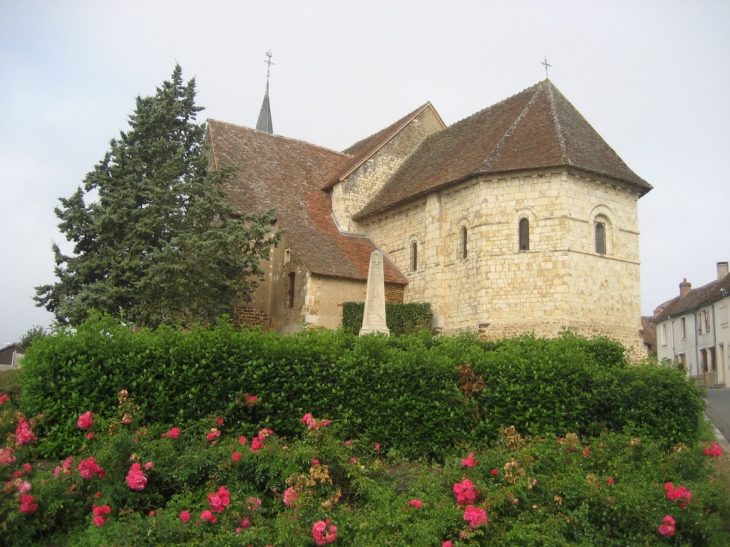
(154, 238)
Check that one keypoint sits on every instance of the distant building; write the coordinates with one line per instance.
(11, 356)
(693, 331)
(519, 218)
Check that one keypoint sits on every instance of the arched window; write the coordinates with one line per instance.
(600, 230)
(464, 249)
(414, 256)
(524, 234)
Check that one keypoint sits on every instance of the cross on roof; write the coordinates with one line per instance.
(546, 65)
(268, 63)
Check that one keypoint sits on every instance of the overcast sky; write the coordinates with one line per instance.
(652, 77)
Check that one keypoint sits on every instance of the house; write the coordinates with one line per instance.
(519, 218)
(11, 356)
(692, 329)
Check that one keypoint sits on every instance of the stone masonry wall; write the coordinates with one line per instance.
(351, 195)
(560, 282)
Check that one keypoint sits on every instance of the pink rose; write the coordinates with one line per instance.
(416, 503)
(475, 516)
(242, 440)
(322, 534)
(27, 504)
(256, 444)
(6, 456)
(3, 397)
(447, 544)
(464, 492)
(208, 516)
(174, 433)
(236, 456)
(314, 463)
(86, 420)
(136, 479)
(376, 446)
(290, 496)
(307, 418)
(184, 516)
(469, 461)
(714, 450)
(667, 526)
(218, 501)
(23, 434)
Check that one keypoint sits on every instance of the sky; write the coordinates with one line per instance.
(652, 77)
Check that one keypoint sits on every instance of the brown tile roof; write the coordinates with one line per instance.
(362, 150)
(694, 298)
(648, 332)
(536, 128)
(285, 174)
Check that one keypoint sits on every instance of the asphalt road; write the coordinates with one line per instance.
(718, 410)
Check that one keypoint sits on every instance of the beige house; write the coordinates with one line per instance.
(519, 218)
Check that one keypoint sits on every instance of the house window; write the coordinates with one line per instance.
(663, 334)
(723, 317)
(414, 256)
(601, 238)
(681, 361)
(706, 316)
(683, 328)
(290, 292)
(464, 251)
(524, 234)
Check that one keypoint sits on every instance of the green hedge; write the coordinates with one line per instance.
(407, 393)
(400, 319)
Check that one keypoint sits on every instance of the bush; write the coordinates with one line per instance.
(548, 490)
(401, 319)
(424, 395)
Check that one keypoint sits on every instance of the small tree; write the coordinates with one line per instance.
(34, 332)
(157, 243)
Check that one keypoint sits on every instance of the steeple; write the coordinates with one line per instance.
(264, 123)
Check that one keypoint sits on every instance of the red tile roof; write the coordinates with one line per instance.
(536, 128)
(694, 299)
(286, 175)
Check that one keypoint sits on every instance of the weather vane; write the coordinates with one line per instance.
(546, 65)
(268, 63)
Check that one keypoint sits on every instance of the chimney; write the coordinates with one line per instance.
(684, 287)
(721, 270)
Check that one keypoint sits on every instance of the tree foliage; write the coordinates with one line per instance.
(154, 238)
(29, 337)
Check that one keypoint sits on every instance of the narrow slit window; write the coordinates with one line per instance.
(290, 292)
(464, 242)
(601, 238)
(414, 256)
(524, 234)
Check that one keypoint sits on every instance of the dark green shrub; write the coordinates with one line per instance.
(400, 319)
(410, 393)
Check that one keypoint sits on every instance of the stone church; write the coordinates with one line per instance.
(519, 218)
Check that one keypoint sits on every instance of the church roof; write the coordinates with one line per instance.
(363, 150)
(536, 128)
(694, 298)
(286, 174)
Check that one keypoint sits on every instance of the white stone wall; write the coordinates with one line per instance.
(561, 282)
(352, 194)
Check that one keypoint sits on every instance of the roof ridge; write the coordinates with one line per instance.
(558, 127)
(276, 136)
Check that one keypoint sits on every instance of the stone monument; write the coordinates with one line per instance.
(373, 319)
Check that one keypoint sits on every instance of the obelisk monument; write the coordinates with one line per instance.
(373, 320)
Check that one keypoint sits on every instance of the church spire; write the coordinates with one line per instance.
(264, 123)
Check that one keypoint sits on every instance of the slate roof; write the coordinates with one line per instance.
(693, 299)
(536, 128)
(363, 150)
(264, 122)
(286, 175)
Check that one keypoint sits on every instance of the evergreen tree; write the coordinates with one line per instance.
(156, 241)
